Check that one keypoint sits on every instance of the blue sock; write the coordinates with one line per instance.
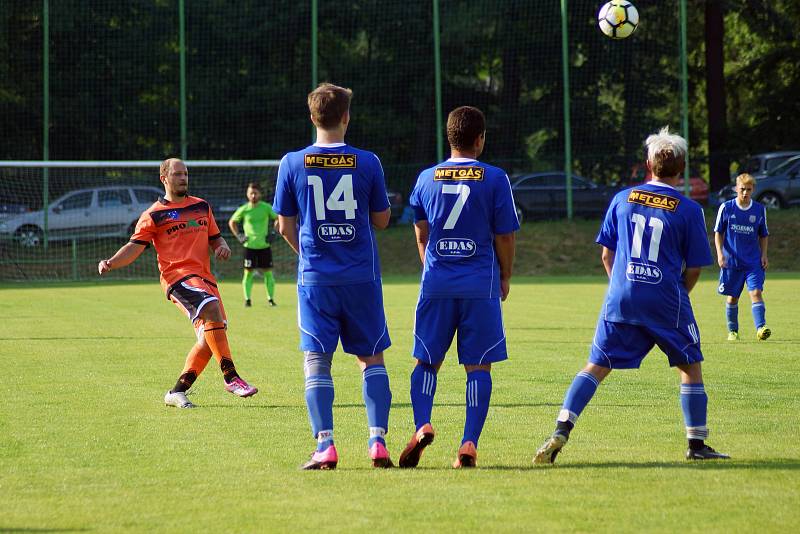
(578, 395)
(732, 313)
(694, 403)
(378, 400)
(479, 393)
(423, 388)
(319, 400)
(759, 312)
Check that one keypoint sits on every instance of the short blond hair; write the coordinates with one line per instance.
(745, 179)
(666, 153)
(166, 164)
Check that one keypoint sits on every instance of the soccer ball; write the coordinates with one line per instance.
(618, 19)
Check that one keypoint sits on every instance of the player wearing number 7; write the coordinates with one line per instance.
(328, 197)
(464, 219)
(654, 245)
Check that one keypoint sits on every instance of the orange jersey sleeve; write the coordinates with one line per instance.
(145, 230)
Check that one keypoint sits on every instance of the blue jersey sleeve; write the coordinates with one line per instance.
(378, 200)
(763, 231)
(415, 201)
(505, 214)
(285, 202)
(608, 230)
(697, 252)
(722, 219)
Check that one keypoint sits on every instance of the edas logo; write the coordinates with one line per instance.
(639, 272)
(336, 232)
(455, 247)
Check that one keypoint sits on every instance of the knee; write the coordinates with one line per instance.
(317, 363)
(211, 312)
(428, 367)
(733, 301)
(755, 295)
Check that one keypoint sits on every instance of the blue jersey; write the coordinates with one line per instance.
(332, 189)
(655, 231)
(466, 203)
(742, 229)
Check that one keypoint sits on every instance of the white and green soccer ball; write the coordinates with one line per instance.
(618, 19)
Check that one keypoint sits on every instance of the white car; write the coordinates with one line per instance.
(110, 211)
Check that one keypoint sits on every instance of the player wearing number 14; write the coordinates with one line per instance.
(650, 233)
(328, 197)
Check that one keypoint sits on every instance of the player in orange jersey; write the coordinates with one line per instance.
(181, 228)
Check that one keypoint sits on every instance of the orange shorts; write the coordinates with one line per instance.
(191, 294)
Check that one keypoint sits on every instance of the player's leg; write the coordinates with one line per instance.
(196, 361)
(481, 342)
(378, 401)
(615, 346)
(319, 402)
(247, 277)
(731, 283)
(215, 335)
(319, 335)
(269, 278)
(435, 323)
(694, 403)
(364, 333)
(755, 286)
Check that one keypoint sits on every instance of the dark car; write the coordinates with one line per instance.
(396, 204)
(761, 164)
(779, 188)
(543, 195)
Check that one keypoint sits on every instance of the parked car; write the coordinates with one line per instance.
(86, 213)
(779, 188)
(698, 188)
(543, 195)
(761, 164)
(396, 204)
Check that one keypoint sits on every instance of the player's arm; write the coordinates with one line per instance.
(380, 219)
(220, 247)
(126, 255)
(607, 257)
(505, 247)
(287, 227)
(718, 240)
(422, 232)
(763, 243)
(241, 238)
(690, 277)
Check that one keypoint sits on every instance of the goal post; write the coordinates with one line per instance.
(59, 218)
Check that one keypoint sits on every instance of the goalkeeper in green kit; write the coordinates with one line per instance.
(257, 218)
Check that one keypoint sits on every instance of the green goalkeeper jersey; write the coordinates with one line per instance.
(256, 223)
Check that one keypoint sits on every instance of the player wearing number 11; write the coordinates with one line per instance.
(654, 245)
(328, 197)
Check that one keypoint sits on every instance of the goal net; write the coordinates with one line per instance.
(58, 219)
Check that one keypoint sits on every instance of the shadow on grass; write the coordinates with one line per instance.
(33, 529)
(773, 464)
(90, 338)
(408, 405)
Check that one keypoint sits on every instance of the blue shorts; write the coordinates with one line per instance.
(481, 336)
(624, 346)
(353, 313)
(731, 281)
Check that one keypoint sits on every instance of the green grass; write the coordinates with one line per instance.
(87, 445)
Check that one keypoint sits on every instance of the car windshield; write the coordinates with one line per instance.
(785, 167)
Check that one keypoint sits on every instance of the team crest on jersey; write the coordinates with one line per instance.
(752, 218)
(330, 161)
(639, 272)
(455, 247)
(458, 173)
(653, 200)
(336, 232)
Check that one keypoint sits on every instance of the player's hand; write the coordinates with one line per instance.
(241, 238)
(505, 287)
(764, 262)
(721, 261)
(222, 252)
(103, 267)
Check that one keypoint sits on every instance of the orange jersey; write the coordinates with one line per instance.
(180, 233)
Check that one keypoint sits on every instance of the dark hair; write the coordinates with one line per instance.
(328, 103)
(255, 186)
(464, 125)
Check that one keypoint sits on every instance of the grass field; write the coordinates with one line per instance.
(86, 443)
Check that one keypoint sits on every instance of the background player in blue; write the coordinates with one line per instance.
(328, 197)
(649, 234)
(740, 236)
(465, 223)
